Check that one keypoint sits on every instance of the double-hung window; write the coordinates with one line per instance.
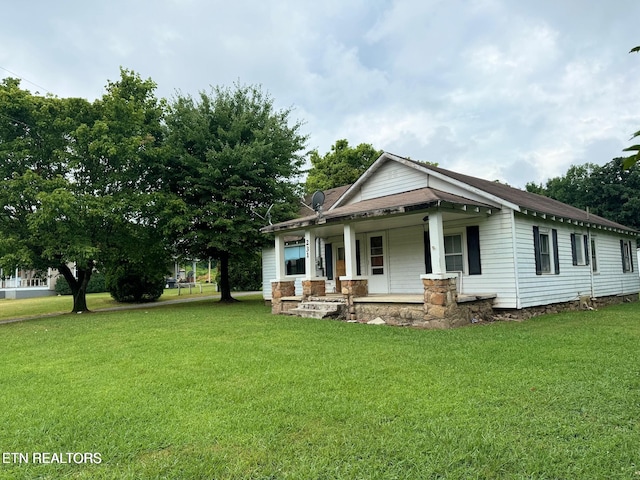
(580, 249)
(627, 257)
(545, 245)
(453, 253)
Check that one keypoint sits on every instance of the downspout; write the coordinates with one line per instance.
(588, 252)
(515, 258)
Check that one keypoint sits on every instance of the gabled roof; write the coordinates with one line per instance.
(331, 196)
(532, 203)
(336, 207)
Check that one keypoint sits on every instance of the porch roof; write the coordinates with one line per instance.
(405, 202)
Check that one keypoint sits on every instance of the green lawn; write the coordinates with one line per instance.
(208, 390)
(53, 305)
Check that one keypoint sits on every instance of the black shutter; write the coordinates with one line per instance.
(556, 257)
(427, 253)
(631, 255)
(473, 250)
(574, 255)
(536, 248)
(624, 269)
(587, 253)
(358, 262)
(328, 258)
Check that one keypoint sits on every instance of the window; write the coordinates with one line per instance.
(453, 253)
(545, 245)
(294, 256)
(545, 253)
(627, 258)
(580, 249)
(377, 255)
(594, 259)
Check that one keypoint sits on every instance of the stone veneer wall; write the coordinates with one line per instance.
(280, 289)
(352, 289)
(313, 288)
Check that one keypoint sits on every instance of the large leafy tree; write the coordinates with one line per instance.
(78, 179)
(609, 190)
(235, 157)
(633, 159)
(342, 165)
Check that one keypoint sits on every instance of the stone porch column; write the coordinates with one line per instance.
(314, 288)
(351, 289)
(440, 300)
(279, 289)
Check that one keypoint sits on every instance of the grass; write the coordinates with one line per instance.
(54, 305)
(206, 390)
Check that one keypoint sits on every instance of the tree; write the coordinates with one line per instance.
(574, 188)
(609, 190)
(341, 166)
(633, 159)
(77, 176)
(234, 156)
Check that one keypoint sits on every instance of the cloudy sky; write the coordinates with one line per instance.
(514, 90)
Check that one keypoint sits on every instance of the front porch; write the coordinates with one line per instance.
(440, 307)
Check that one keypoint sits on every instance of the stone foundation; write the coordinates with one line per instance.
(397, 314)
(280, 289)
(583, 304)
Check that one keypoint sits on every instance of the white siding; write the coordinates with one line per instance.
(496, 255)
(406, 258)
(573, 280)
(390, 178)
(268, 270)
(610, 280)
(269, 273)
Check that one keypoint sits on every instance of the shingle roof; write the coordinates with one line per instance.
(529, 201)
(424, 198)
(418, 199)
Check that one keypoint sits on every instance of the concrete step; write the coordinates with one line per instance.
(319, 309)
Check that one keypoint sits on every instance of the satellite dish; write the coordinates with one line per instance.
(317, 200)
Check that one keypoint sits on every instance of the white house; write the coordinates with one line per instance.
(25, 283)
(406, 232)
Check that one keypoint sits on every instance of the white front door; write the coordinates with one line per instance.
(378, 264)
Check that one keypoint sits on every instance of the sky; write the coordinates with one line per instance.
(509, 90)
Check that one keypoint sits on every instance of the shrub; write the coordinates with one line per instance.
(134, 284)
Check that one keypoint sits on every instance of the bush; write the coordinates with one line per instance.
(134, 284)
(96, 284)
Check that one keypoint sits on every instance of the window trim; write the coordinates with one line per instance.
(580, 249)
(626, 251)
(554, 257)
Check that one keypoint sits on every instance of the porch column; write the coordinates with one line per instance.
(312, 285)
(350, 251)
(352, 285)
(280, 266)
(310, 255)
(436, 239)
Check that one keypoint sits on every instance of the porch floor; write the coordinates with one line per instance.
(395, 298)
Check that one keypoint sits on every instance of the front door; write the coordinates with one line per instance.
(378, 274)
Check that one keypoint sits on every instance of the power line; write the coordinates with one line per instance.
(27, 80)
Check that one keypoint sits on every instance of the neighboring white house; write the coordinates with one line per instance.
(25, 283)
(403, 222)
